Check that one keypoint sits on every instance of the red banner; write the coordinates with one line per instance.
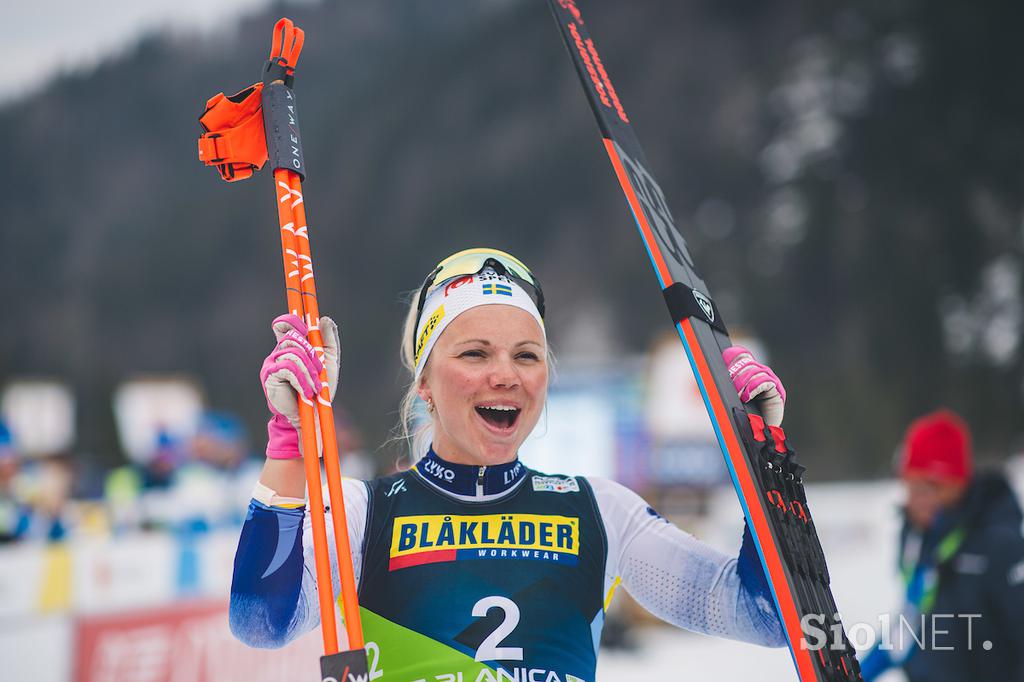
(187, 642)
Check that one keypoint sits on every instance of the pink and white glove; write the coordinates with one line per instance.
(291, 370)
(754, 381)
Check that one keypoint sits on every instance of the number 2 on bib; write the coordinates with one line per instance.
(489, 649)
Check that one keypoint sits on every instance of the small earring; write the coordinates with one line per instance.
(430, 405)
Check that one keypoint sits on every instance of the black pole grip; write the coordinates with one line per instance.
(281, 122)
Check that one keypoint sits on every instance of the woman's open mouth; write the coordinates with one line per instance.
(499, 417)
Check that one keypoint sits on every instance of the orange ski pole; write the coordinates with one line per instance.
(325, 412)
(281, 124)
(310, 454)
(238, 143)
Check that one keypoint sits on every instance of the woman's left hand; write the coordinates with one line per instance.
(754, 381)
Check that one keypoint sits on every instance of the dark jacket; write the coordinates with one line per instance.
(985, 577)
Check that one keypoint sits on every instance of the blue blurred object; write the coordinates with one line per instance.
(7, 448)
(223, 426)
(14, 514)
(167, 457)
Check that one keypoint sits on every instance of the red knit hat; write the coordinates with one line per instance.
(938, 445)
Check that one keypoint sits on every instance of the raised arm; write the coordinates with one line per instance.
(273, 589)
(679, 578)
(675, 576)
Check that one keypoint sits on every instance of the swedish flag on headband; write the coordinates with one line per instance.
(501, 289)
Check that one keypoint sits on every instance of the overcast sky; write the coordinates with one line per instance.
(48, 35)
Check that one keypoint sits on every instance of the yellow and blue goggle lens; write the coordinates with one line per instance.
(472, 262)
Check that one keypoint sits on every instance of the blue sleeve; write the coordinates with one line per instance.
(749, 568)
(267, 578)
(874, 663)
(756, 590)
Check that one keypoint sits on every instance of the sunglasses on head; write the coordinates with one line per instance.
(473, 262)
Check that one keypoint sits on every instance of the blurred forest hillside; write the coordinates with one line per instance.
(850, 176)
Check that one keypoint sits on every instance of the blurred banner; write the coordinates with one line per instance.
(590, 425)
(40, 415)
(683, 449)
(674, 407)
(107, 575)
(22, 581)
(576, 435)
(185, 642)
(154, 412)
(149, 607)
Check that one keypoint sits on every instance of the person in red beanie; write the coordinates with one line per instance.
(936, 466)
(962, 563)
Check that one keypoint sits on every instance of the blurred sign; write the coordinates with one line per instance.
(691, 463)
(109, 575)
(576, 436)
(21, 580)
(151, 412)
(216, 562)
(36, 649)
(674, 408)
(684, 449)
(188, 642)
(40, 416)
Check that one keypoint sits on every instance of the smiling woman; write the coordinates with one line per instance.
(521, 304)
(486, 379)
(470, 565)
(481, 365)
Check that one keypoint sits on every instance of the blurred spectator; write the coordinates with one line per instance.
(167, 457)
(214, 475)
(53, 495)
(190, 484)
(962, 561)
(122, 490)
(356, 462)
(14, 514)
(219, 441)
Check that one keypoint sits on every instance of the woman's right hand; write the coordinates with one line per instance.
(291, 370)
(756, 382)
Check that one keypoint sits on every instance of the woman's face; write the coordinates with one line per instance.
(487, 376)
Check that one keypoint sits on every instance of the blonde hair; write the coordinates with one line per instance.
(419, 437)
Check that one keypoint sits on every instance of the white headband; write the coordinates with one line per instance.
(452, 298)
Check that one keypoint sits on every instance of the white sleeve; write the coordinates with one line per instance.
(677, 577)
(356, 497)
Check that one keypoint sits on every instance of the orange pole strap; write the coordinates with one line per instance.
(332, 467)
(283, 26)
(291, 50)
(307, 418)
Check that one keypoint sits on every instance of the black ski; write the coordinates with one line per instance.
(761, 462)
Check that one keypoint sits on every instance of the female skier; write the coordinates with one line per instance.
(471, 566)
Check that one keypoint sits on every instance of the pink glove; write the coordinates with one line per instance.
(754, 381)
(292, 370)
